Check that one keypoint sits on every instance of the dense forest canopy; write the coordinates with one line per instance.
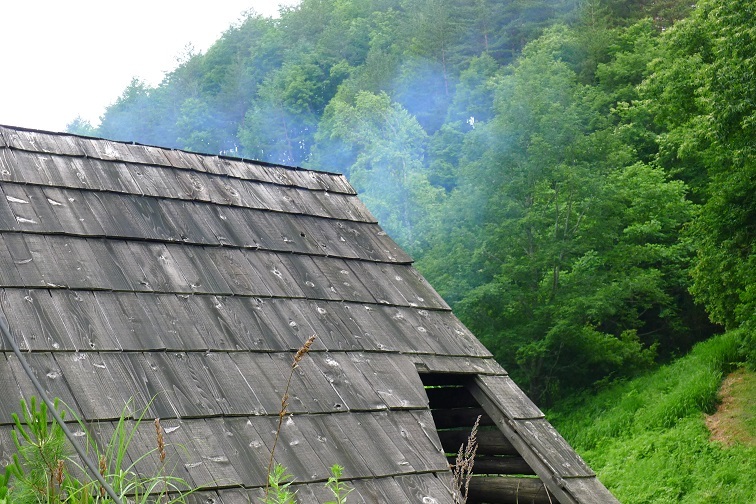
(575, 177)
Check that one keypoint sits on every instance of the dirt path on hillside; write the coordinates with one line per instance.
(729, 424)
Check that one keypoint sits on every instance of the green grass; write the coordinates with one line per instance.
(647, 439)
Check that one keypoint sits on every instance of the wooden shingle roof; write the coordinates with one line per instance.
(181, 284)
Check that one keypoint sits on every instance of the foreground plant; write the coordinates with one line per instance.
(43, 471)
(463, 467)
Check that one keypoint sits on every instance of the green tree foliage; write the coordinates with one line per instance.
(704, 88)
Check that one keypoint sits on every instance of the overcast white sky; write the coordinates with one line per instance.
(63, 58)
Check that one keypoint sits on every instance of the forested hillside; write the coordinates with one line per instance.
(576, 178)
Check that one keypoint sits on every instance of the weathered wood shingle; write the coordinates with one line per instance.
(137, 278)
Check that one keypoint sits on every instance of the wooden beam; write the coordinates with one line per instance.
(460, 418)
(506, 490)
(506, 465)
(490, 442)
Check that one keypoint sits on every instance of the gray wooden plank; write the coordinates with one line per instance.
(184, 160)
(9, 274)
(247, 442)
(552, 447)
(110, 273)
(291, 326)
(206, 458)
(346, 315)
(381, 453)
(239, 274)
(354, 390)
(143, 450)
(397, 285)
(329, 444)
(186, 219)
(258, 228)
(11, 163)
(509, 397)
(378, 490)
(375, 332)
(160, 269)
(30, 209)
(128, 321)
(309, 278)
(329, 237)
(72, 172)
(267, 380)
(275, 272)
(227, 226)
(99, 393)
(23, 139)
(115, 221)
(589, 491)
(98, 148)
(296, 453)
(33, 317)
(285, 232)
(377, 282)
(194, 392)
(226, 191)
(155, 181)
(116, 176)
(343, 206)
(238, 496)
(174, 324)
(154, 217)
(415, 435)
(262, 331)
(309, 385)
(235, 388)
(373, 240)
(192, 185)
(337, 444)
(447, 331)
(70, 262)
(342, 281)
(256, 196)
(25, 258)
(74, 213)
(153, 155)
(455, 364)
(428, 487)
(261, 196)
(83, 321)
(149, 383)
(7, 217)
(394, 378)
(11, 398)
(222, 331)
(326, 323)
(49, 375)
(271, 372)
(117, 257)
(124, 212)
(200, 271)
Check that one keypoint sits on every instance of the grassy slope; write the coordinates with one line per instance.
(647, 439)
